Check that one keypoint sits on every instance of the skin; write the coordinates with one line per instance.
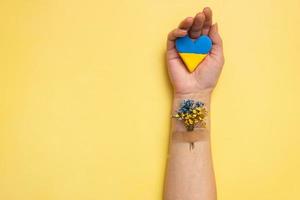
(190, 174)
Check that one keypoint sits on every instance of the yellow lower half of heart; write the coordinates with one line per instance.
(192, 60)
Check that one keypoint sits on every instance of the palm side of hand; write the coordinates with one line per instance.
(205, 77)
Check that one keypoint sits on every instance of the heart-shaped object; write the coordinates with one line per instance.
(192, 52)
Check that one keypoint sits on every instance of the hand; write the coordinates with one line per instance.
(205, 77)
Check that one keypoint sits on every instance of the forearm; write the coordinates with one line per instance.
(190, 174)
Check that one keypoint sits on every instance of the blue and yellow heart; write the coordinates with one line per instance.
(192, 52)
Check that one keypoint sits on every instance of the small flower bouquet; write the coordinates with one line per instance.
(192, 113)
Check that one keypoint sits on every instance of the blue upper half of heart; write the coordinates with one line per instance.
(202, 45)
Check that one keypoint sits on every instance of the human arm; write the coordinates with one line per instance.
(190, 174)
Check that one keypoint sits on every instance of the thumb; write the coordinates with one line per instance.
(215, 36)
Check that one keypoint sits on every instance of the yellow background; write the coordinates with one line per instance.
(85, 98)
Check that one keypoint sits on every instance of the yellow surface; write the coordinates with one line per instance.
(85, 99)
(192, 60)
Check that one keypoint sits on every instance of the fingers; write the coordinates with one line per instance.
(176, 33)
(208, 21)
(173, 35)
(215, 36)
(181, 31)
(196, 28)
(201, 24)
(186, 23)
